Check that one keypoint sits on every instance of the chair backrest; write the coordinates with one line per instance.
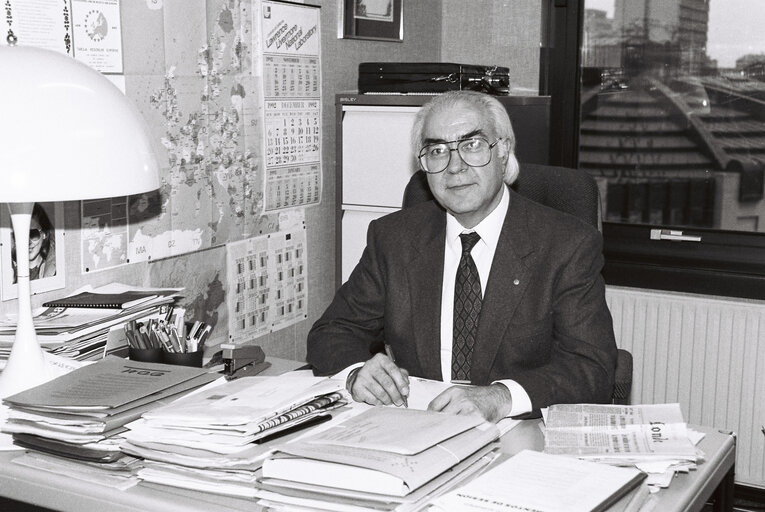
(571, 191)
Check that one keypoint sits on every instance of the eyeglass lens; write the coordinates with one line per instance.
(34, 235)
(475, 152)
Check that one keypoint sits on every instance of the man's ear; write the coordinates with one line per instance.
(504, 150)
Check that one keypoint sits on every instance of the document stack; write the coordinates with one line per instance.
(543, 483)
(81, 415)
(652, 437)
(89, 325)
(216, 440)
(385, 458)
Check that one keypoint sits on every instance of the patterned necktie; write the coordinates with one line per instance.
(467, 309)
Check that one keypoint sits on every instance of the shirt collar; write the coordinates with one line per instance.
(488, 229)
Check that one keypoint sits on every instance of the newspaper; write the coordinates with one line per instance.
(619, 434)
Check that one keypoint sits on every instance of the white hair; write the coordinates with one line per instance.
(489, 105)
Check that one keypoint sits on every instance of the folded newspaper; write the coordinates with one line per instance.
(619, 434)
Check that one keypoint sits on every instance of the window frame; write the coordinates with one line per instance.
(723, 263)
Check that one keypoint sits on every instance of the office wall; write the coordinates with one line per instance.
(175, 35)
(495, 32)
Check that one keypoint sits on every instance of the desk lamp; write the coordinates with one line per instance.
(66, 133)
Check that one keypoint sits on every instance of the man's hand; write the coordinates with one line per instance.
(379, 382)
(491, 402)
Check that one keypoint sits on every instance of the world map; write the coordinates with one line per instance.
(205, 116)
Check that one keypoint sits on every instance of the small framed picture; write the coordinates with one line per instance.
(46, 250)
(380, 20)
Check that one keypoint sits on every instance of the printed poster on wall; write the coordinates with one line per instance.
(98, 34)
(40, 23)
(267, 283)
(290, 41)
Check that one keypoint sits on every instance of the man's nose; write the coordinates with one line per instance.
(456, 163)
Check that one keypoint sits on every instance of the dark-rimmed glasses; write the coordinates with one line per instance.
(474, 151)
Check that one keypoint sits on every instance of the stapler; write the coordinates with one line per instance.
(242, 360)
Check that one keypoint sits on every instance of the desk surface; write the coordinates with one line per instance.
(57, 492)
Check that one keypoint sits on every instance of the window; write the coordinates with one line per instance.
(669, 119)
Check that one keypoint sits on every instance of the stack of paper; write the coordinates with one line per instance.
(654, 438)
(619, 434)
(78, 330)
(543, 483)
(385, 458)
(81, 415)
(217, 439)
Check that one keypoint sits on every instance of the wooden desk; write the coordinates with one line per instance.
(687, 492)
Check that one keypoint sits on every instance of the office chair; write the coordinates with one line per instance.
(572, 191)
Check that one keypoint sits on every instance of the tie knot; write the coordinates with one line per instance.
(468, 241)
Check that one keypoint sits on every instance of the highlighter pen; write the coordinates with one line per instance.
(389, 353)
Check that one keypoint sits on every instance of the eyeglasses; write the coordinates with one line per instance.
(475, 151)
(35, 235)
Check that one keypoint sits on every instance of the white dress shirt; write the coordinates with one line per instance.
(489, 230)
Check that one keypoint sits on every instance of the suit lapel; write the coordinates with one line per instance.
(425, 273)
(508, 280)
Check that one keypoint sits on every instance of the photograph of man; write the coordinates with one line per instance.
(481, 286)
(42, 246)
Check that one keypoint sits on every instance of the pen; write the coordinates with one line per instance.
(389, 353)
(295, 428)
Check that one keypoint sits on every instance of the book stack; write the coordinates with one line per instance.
(385, 458)
(81, 415)
(216, 440)
(89, 325)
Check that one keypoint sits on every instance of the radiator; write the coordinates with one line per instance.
(707, 354)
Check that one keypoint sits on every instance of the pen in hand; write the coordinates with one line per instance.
(389, 353)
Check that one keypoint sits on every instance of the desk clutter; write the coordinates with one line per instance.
(652, 437)
(81, 415)
(90, 324)
(297, 441)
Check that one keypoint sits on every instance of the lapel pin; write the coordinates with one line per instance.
(516, 282)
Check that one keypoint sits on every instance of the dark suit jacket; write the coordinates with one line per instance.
(544, 321)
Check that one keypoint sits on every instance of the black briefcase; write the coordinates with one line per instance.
(431, 77)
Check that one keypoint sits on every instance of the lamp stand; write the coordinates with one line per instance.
(26, 365)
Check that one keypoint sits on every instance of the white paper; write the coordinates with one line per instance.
(537, 481)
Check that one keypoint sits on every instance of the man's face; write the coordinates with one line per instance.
(468, 193)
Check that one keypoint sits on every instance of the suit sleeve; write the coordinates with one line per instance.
(352, 326)
(582, 362)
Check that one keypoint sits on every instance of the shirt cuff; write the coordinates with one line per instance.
(521, 400)
(343, 374)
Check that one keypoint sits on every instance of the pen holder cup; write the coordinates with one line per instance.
(183, 358)
(147, 355)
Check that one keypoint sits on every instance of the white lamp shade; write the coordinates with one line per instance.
(67, 133)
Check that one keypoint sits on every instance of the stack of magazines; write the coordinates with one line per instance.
(80, 416)
(216, 440)
(385, 458)
(619, 434)
(88, 325)
(652, 437)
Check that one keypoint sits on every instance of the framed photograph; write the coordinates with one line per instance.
(380, 20)
(46, 250)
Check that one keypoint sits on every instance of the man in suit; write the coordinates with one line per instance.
(543, 333)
